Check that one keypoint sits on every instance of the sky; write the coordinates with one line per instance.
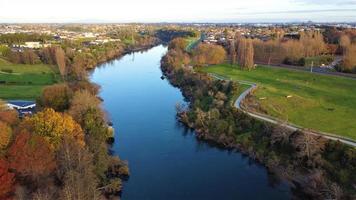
(237, 11)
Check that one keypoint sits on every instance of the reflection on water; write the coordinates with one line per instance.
(166, 160)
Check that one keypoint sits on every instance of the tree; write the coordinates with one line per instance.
(313, 43)
(209, 54)
(178, 43)
(61, 61)
(3, 105)
(31, 155)
(29, 57)
(233, 52)
(82, 101)
(246, 53)
(5, 135)
(6, 179)
(344, 41)
(280, 135)
(48, 55)
(307, 144)
(9, 116)
(175, 59)
(53, 126)
(56, 96)
(349, 58)
(75, 168)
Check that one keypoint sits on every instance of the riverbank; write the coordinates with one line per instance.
(305, 161)
(165, 152)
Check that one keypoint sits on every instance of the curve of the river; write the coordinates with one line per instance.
(166, 160)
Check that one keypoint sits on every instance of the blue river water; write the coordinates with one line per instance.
(166, 160)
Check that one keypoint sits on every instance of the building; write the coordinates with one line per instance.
(32, 45)
(24, 108)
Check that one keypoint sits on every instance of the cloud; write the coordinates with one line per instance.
(301, 11)
(326, 2)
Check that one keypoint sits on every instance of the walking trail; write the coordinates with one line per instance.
(273, 120)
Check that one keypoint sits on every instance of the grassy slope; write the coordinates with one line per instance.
(192, 42)
(319, 102)
(26, 81)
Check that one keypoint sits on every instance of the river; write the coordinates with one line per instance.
(166, 160)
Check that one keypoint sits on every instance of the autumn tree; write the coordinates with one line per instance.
(61, 61)
(5, 135)
(209, 54)
(29, 57)
(176, 59)
(48, 55)
(313, 43)
(7, 179)
(344, 42)
(294, 51)
(31, 155)
(53, 126)
(178, 43)
(9, 116)
(349, 59)
(269, 52)
(56, 96)
(245, 53)
(81, 102)
(233, 52)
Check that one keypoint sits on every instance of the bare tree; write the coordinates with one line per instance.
(61, 61)
(246, 53)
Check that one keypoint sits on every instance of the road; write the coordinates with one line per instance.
(325, 70)
(272, 120)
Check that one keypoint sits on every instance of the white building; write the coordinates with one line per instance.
(32, 45)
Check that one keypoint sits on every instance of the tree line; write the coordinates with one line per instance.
(18, 38)
(290, 51)
(281, 50)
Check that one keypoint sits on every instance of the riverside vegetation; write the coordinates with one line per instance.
(315, 167)
(62, 152)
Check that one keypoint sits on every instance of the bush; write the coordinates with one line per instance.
(290, 61)
(56, 96)
(301, 62)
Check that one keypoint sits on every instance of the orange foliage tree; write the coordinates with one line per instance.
(6, 179)
(31, 155)
(9, 116)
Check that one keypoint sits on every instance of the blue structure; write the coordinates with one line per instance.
(23, 107)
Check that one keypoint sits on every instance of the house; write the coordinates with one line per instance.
(32, 45)
(24, 108)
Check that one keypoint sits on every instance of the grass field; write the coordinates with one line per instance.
(319, 102)
(25, 81)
